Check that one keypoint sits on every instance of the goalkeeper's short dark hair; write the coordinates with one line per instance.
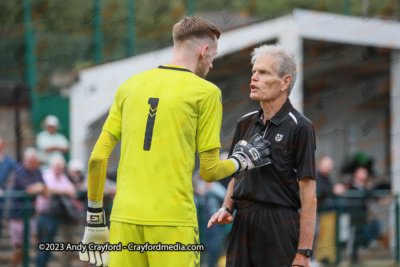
(194, 27)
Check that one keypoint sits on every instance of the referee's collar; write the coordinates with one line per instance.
(174, 67)
(279, 116)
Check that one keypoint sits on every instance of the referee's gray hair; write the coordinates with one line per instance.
(286, 62)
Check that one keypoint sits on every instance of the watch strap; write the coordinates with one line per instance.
(306, 252)
(227, 209)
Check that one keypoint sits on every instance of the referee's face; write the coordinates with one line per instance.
(265, 84)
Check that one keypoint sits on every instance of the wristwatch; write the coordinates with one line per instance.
(306, 252)
(227, 209)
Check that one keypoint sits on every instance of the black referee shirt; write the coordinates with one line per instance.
(292, 148)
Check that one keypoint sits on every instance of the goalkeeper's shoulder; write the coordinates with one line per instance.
(207, 87)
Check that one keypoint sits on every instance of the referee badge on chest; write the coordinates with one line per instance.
(278, 137)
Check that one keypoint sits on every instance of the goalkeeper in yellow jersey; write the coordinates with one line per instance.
(161, 117)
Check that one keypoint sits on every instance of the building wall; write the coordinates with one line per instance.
(7, 129)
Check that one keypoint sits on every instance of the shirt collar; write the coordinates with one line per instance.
(174, 67)
(279, 116)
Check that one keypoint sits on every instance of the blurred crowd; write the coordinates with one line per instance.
(355, 197)
(46, 191)
(57, 190)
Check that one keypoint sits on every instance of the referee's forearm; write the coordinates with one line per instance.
(96, 178)
(308, 214)
(228, 201)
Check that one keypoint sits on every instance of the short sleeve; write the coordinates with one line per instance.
(113, 122)
(19, 174)
(12, 163)
(63, 141)
(41, 142)
(24, 179)
(305, 154)
(209, 121)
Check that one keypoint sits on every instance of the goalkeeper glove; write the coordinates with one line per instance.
(252, 154)
(96, 231)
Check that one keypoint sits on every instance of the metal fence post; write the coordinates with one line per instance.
(397, 229)
(338, 245)
(25, 214)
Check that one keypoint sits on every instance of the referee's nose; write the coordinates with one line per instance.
(254, 77)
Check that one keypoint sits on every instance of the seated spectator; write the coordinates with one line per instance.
(360, 180)
(6, 168)
(51, 209)
(75, 174)
(51, 143)
(363, 232)
(28, 179)
(325, 191)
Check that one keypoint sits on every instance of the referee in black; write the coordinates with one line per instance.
(268, 229)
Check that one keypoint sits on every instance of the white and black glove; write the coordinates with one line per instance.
(252, 154)
(96, 231)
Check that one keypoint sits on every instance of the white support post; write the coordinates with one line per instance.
(294, 44)
(395, 120)
(395, 142)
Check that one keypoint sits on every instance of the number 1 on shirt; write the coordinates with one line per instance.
(150, 123)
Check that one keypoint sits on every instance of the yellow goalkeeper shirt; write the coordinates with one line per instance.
(161, 117)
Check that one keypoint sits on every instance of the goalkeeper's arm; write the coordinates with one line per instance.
(245, 156)
(212, 168)
(97, 168)
(96, 230)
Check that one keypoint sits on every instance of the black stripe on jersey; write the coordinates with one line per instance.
(172, 68)
(150, 123)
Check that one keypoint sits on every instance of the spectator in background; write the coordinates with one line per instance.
(75, 174)
(324, 185)
(362, 231)
(51, 143)
(325, 190)
(50, 208)
(209, 197)
(6, 167)
(360, 180)
(29, 179)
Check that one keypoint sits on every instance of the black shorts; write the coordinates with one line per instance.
(263, 236)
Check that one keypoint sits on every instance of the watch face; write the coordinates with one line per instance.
(305, 252)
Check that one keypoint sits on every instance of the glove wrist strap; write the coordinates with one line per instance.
(96, 217)
(95, 204)
(237, 163)
(95, 210)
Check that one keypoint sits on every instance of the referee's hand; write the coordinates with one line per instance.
(220, 217)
